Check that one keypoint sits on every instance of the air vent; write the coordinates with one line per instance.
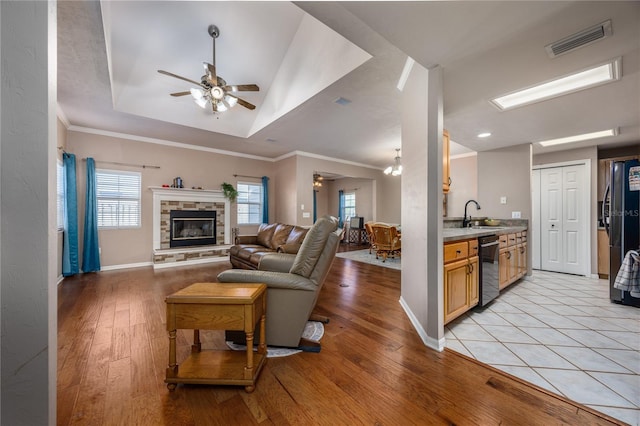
(579, 39)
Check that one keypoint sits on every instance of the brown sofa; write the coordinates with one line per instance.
(271, 238)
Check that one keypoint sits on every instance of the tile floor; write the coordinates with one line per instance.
(563, 334)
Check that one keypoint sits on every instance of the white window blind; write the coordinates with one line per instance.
(349, 204)
(118, 197)
(249, 203)
(60, 201)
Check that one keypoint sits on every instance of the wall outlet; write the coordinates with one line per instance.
(306, 215)
(515, 215)
(503, 200)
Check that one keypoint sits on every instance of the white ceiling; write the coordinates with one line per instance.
(485, 49)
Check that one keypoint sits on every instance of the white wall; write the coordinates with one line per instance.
(464, 185)
(28, 236)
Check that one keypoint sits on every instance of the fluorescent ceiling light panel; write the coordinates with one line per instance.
(578, 138)
(591, 77)
(408, 65)
(484, 135)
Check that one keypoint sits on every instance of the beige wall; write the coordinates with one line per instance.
(589, 153)
(363, 188)
(505, 172)
(196, 168)
(389, 207)
(464, 185)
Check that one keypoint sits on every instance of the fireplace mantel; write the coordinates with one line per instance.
(189, 195)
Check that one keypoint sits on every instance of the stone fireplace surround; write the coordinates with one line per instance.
(167, 199)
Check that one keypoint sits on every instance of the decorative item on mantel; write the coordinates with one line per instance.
(229, 191)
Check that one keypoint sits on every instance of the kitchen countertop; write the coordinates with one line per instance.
(458, 234)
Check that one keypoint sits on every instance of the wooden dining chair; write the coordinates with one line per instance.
(388, 242)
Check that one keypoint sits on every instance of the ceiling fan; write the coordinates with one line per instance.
(213, 89)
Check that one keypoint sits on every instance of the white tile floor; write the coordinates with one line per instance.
(563, 334)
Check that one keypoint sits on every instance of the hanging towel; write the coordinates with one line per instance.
(628, 278)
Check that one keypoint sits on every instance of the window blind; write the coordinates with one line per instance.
(118, 199)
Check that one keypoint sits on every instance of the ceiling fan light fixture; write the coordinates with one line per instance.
(202, 102)
(197, 94)
(221, 107)
(231, 101)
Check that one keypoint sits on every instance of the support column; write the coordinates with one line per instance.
(28, 315)
(421, 289)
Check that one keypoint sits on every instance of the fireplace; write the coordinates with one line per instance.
(192, 228)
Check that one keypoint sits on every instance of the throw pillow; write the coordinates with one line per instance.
(265, 233)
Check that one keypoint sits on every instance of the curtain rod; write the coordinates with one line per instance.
(245, 176)
(142, 166)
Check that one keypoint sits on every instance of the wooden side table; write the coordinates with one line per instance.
(214, 306)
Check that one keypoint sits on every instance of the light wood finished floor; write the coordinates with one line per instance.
(373, 368)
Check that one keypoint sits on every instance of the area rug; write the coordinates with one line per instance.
(364, 256)
(313, 332)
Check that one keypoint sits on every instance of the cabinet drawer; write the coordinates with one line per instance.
(511, 239)
(504, 240)
(456, 251)
(473, 248)
(518, 237)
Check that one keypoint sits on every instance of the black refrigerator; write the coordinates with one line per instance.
(622, 221)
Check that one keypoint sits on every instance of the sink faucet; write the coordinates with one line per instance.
(466, 222)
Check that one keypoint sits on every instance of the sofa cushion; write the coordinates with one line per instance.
(265, 233)
(246, 251)
(280, 235)
(296, 236)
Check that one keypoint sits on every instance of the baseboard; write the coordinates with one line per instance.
(190, 262)
(125, 266)
(430, 342)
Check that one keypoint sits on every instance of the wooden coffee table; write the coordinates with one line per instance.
(214, 306)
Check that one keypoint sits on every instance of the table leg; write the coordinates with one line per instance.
(262, 347)
(172, 369)
(197, 345)
(248, 370)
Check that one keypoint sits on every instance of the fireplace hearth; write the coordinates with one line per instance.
(190, 228)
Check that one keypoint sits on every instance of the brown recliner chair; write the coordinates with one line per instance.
(293, 283)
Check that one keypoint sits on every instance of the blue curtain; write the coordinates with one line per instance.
(341, 208)
(70, 265)
(91, 249)
(265, 199)
(315, 207)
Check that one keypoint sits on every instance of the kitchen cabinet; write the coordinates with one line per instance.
(512, 259)
(603, 254)
(460, 278)
(446, 162)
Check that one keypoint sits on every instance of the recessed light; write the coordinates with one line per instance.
(484, 135)
(591, 77)
(578, 138)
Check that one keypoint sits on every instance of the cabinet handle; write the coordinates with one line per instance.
(458, 252)
(470, 268)
(508, 255)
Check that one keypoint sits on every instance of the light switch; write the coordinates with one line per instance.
(301, 206)
(503, 200)
(515, 215)
(306, 215)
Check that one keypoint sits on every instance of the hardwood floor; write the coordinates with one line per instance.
(372, 369)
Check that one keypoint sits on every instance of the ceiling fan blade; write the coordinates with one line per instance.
(180, 93)
(177, 76)
(242, 88)
(211, 73)
(243, 102)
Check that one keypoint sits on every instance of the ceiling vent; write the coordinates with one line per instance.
(579, 39)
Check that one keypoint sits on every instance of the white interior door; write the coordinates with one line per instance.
(563, 219)
(551, 219)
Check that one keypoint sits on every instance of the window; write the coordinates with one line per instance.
(61, 199)
(249, 203)
(349, 205)
(118, 197)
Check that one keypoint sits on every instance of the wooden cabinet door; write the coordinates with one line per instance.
(446, 162)
(503, 267)
(455, 289)
(513, 264)
(522, 259)
(603, 254)
(473, 281)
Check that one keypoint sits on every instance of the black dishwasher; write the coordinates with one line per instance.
(489, 269)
